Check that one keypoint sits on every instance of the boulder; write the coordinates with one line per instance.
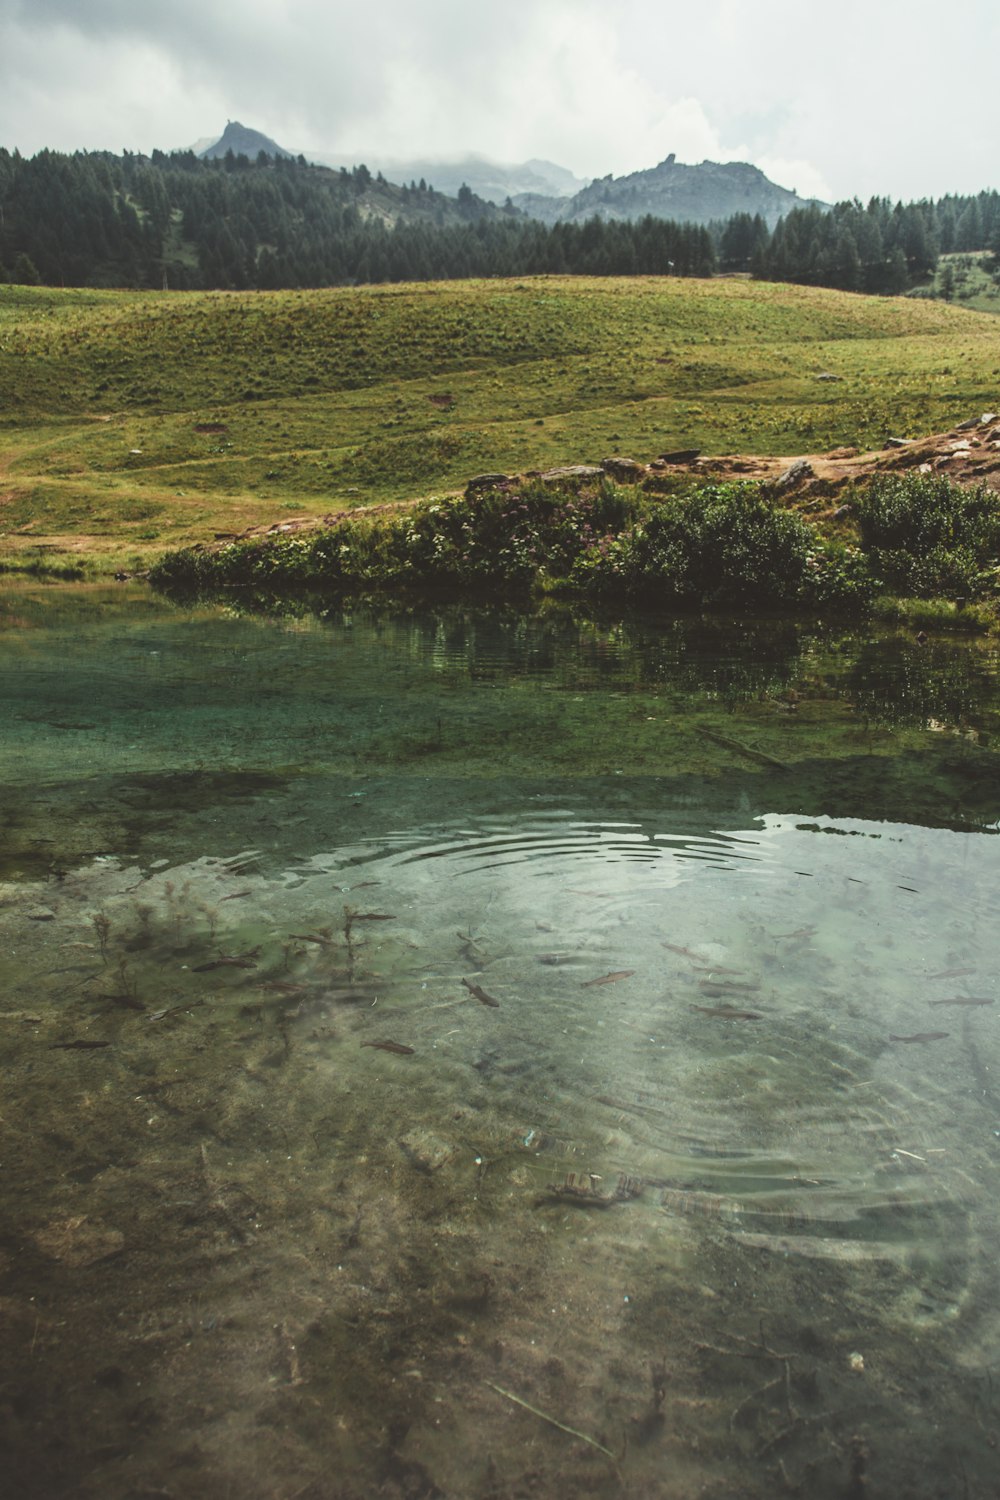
(572, 474)
(625, 470)
(483, 482)
(681, 456)
(797, 473)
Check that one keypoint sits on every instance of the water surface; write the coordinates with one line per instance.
(679, 1172)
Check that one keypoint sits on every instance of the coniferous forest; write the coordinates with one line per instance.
(175, 220)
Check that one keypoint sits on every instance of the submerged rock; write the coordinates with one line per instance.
(425, 1150)
(78, 1241)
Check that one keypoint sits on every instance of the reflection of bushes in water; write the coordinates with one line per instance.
(730, 658)
(903, 682)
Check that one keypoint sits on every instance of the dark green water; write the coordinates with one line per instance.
(681, 1174)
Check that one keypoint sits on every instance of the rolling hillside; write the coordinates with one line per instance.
(135, 422)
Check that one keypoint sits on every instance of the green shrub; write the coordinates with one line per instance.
(929, 536)
(723, 545)
(838, 578)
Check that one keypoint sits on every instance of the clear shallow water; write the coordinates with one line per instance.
(249, 1251)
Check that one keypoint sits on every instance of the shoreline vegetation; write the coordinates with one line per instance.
(906, 548)
(322, 441)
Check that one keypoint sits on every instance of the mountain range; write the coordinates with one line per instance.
(551, 193)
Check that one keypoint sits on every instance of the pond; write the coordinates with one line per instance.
(461, 1053)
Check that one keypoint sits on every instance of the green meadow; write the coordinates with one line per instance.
(136, 423)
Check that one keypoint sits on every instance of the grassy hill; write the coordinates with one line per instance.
(131, 423)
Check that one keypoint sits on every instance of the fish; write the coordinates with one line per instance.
(951, 974)
(55, 723)
(80, 1045)
(122, 998)
(718, 986)
(608, 978)
(229, 961)
(729, 1012)
(695, 958)
(920, 1036)
(800, 932)
(224, 963)
(171, 1010)
(372, 916)
(964, 1000)
(235, 896)
(582, 1188)
(358, 994)
(387, 1046)
(481, 995)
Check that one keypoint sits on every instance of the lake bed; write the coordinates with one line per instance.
(458, 1052)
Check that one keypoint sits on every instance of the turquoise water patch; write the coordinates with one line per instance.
(461, 1053)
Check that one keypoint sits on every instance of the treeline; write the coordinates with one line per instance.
(96, 219)
(884, 247)
(102, 220)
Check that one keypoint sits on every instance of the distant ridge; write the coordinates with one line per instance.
(683, 192)
(494, 181)
(242, 141)
(672, 190)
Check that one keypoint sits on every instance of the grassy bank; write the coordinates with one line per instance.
(136, 423)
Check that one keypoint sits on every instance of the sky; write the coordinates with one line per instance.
(860, 97)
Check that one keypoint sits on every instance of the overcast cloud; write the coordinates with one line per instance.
(895, 97)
